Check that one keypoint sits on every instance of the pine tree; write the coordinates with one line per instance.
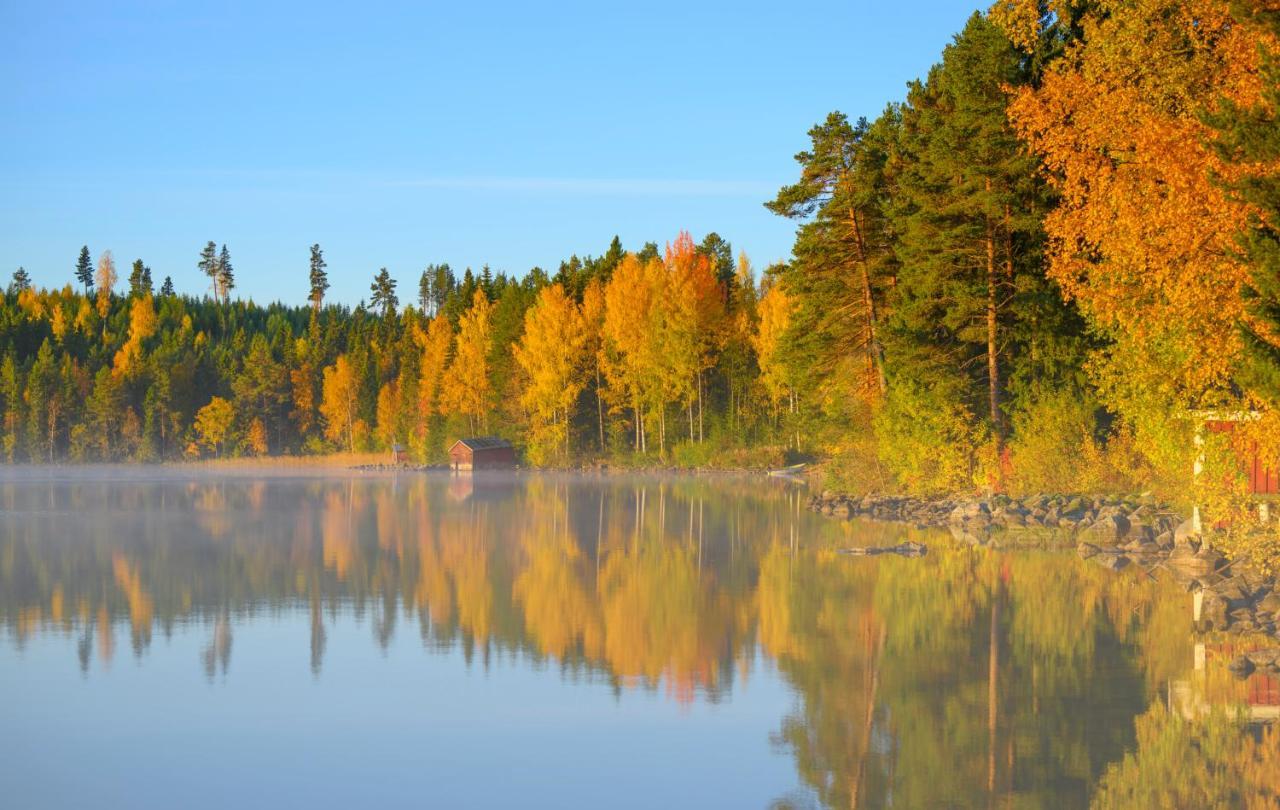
(383, 296)
(226, 277)
(166, 289)
(843, 255)
(319, 278)
(967, 216)
(21, 281)
(208, 265)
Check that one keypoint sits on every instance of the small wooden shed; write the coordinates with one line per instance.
(482, 452)
(399, 454)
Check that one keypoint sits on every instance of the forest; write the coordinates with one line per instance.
(1031, 273)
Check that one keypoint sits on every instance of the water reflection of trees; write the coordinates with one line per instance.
(961, 678)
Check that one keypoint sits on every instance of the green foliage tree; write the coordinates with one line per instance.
(383, 296)
(84, 269)
(21, 281)
(319, 279)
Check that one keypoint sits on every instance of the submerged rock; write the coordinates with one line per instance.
(905, 549)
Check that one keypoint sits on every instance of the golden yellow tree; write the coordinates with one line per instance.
(106, 281)
(388, 414)
(435, 343)
(338, 402)
(552, 353)
(593, 323)
(1143, 237)
(213, 424)
(696, 327)
(256, 438)
(466, 389)
(632, 322)
(775, 317)
(142, 325)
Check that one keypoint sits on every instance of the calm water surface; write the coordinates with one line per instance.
(175, 640)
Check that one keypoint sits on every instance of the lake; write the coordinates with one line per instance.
(183, 639)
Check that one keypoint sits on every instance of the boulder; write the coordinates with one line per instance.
(1107, 530)
(1185, 534)
(1193, 562)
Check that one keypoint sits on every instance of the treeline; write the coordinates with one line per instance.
(600, 359)
(1033, 272)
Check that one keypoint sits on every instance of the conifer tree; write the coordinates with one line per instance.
(166, 289)
(139, 279)
(383, 294)
(319, 278)
(208, 265)
(84, 269)
(21, 281)
(226, 280)
(967, 216)
(844, 264)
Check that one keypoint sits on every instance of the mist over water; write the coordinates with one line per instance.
(305, 638)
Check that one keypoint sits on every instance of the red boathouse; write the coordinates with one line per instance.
(482, 453)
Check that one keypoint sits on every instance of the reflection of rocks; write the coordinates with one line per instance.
(1232, 599)
(905, 549)
(1267, 659)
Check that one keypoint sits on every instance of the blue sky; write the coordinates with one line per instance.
(402, 134)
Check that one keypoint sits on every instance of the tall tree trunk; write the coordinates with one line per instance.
(875, 355)
(599, 408)
(700, 420)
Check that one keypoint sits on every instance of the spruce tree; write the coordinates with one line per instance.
(319, 278)
(166, 289)
(139, 279)
(84, 269)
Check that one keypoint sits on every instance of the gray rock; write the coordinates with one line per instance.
(1107, 530)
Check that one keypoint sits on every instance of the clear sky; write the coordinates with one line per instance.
(513, 134)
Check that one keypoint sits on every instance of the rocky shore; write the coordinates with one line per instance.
(1139, 524)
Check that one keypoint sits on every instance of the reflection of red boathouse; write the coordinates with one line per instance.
(1210, 686)
(1262, 690)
